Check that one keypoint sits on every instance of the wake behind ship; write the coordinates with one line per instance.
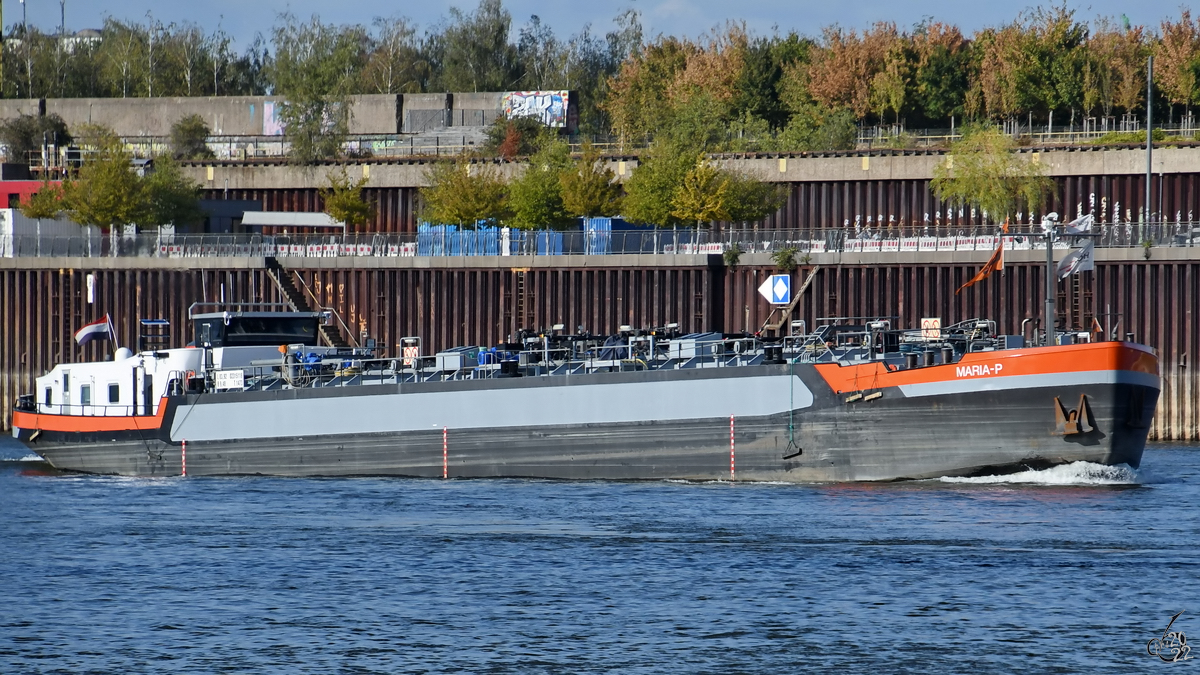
(851, 401)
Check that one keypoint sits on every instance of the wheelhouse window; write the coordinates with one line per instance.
(49, 396)
(85, 394)
(114, 392)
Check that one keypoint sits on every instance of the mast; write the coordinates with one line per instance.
(1048, 319)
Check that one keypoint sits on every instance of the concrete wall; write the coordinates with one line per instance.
(243, 115)
(411, 173)
(478, 101)
(12, 107)
(225, 115)
(376, 114)
(424, 112)
(887, 166)
(407, 173)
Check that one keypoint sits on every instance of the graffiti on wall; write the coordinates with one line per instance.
(550, 107)
(272, 126)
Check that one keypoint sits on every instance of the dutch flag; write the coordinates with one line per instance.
(98, 329)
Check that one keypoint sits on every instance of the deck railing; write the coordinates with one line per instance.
(499, 242)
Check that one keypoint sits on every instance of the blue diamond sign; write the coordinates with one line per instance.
(777, 289)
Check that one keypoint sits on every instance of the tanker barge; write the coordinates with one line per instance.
(255, 394)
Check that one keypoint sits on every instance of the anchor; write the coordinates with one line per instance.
(1076, 421)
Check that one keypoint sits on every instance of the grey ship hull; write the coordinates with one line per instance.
(789, 425)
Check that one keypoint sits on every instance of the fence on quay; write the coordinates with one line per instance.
(438, 241)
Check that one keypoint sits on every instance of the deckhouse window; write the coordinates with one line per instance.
(49, 396)
(85, 394)
(114, 392)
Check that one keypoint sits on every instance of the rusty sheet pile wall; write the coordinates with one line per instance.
(1159, 302)
(826, 204)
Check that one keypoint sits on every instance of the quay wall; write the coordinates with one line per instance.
(225, 115)
(906, 201)
(454, 301)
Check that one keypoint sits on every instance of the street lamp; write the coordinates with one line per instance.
(25, 47)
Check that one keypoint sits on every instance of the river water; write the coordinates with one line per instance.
(1072, 569)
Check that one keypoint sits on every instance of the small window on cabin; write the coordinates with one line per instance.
(49, 396)
(114, 392)
(85, 394)
(14, 200)
(66, 383)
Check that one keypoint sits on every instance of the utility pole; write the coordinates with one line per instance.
(25, 48)
(1149, 143)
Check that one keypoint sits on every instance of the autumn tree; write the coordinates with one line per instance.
(889, 86)
(941, 70)
(536, 197)
(702, 196)
(47, 202)
(844, 66)
(344, 200)
(651, 189)
(712, 70)
(1178, 59)
(749, 199)
(589, 188)
(169, 197)
(106, 192)
(1099, 77)
(189, 138)
(983, 171)
(460, 192)
(515, 137)
(1005, 71)
(756, 89)
(1128, 63)
(1058, 43)
(637, 101)
(25, 134)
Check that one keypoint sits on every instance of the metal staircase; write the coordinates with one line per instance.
(284, 281)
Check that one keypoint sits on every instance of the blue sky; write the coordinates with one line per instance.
(242, 19)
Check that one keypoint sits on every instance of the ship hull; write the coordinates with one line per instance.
(789, 423)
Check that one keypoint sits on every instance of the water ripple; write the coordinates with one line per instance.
(508, 576)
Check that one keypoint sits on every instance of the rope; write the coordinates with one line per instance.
(792, 448)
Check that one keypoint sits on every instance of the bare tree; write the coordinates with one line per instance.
(187, 45)
(396, 64)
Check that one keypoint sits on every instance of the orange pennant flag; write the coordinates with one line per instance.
(996, 262)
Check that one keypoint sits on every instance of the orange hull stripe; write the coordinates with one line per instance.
(85, 423)
(982, 365)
